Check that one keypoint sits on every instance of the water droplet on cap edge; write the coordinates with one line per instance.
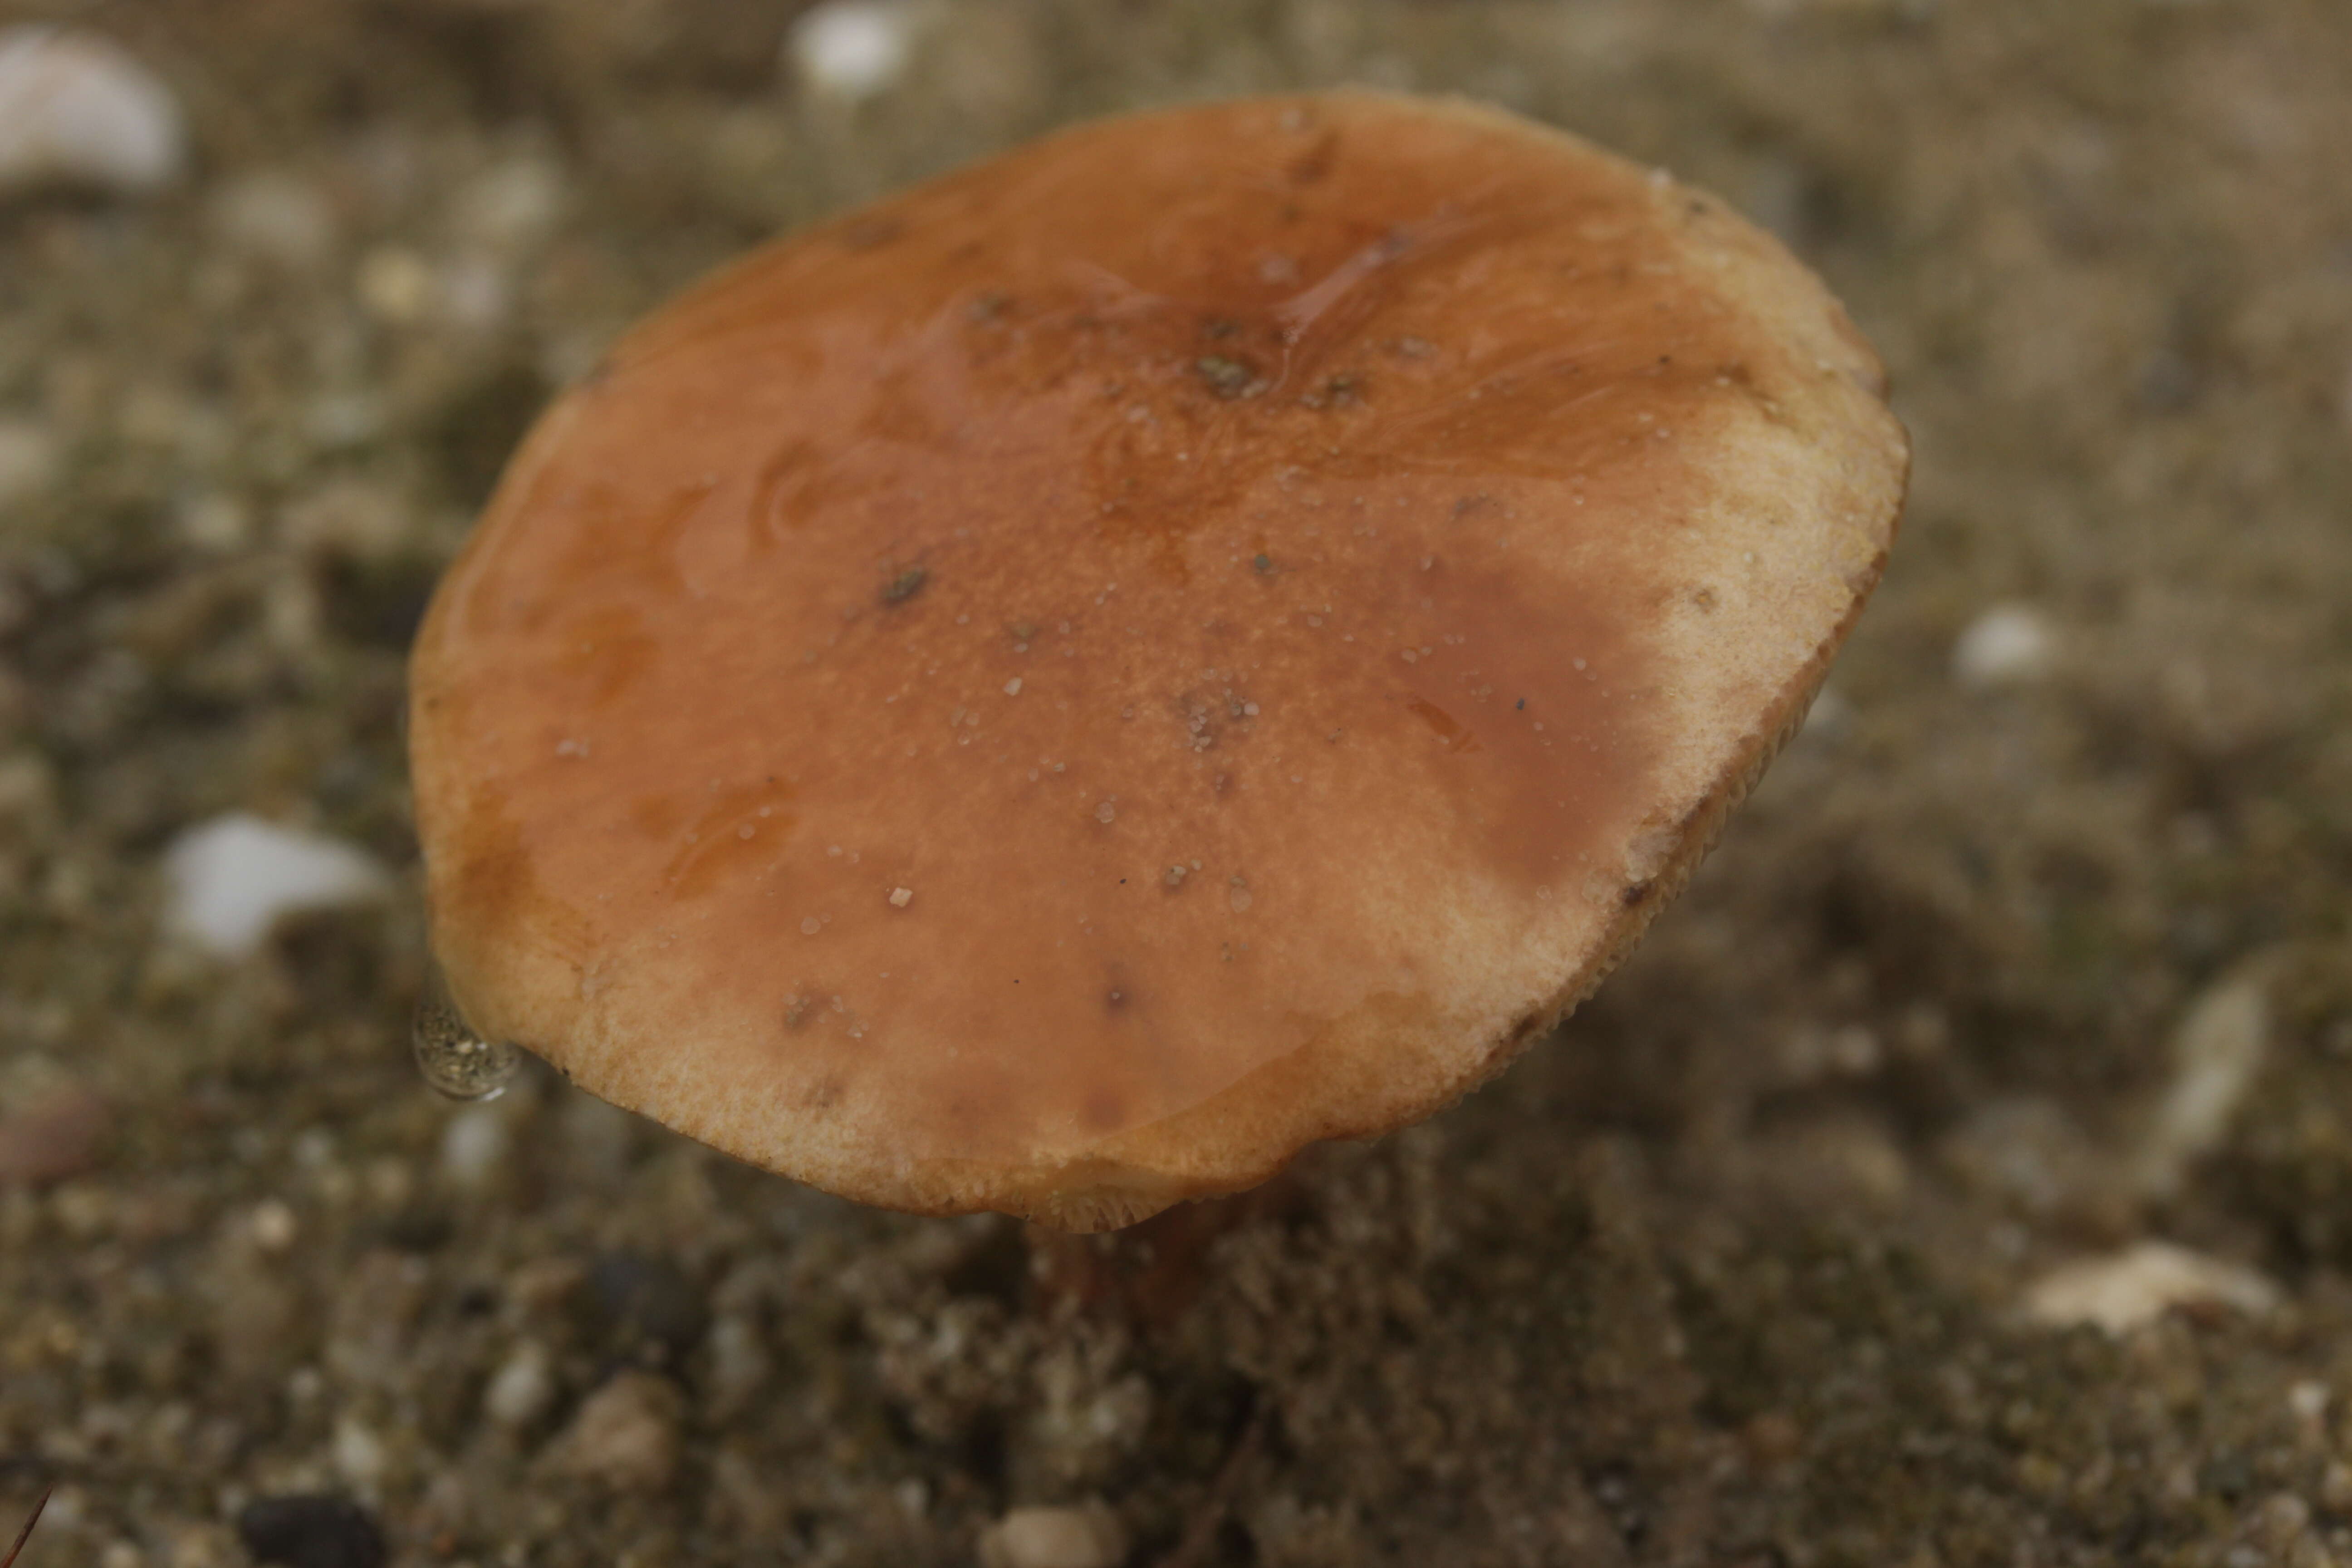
(456, 1061)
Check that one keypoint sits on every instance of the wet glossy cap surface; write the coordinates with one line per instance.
(1203, 634)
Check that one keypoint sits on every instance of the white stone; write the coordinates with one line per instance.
(1082, 1537)
(272, 1226)
(521, 1389)
(474, 1144)
(2217, 1049)
(395, 285)
(230, 880)
(2127, 1289)
(75, 109)
(359, 1454)
(853, 49)
(2009, 644)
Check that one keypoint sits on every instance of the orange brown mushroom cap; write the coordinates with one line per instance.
(1206, 633)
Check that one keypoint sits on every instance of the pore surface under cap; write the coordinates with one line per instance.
(1055, 690)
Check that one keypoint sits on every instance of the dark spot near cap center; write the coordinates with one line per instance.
(1345, 390)
(1228, 378)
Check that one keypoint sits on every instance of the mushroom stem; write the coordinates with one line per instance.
(1150, 1274)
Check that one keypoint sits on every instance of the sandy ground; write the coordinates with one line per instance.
(2029, 954)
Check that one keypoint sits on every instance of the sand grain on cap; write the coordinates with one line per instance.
(1293, 584)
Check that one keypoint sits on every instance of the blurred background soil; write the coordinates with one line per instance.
(1961, 1174)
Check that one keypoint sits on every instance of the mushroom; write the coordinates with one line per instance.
(1207, 633)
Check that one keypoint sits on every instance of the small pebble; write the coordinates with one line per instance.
(57, 1135)
(395, 285)
(272, 1226)
(474, 1143)
(76, 111)
(1084, 1537)
(231, 877)
(852, 50)
(2280, 1522)
(311, 1530)
(359, 1454)
(521, 1389)
(739, 1363)
(28, 460)
(2009, 644)
(626, 1434)
(475, 294)
(215, 523)
(2125, 1290)
(194, 1543)
(2217, 1051)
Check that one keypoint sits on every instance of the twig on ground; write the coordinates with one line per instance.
(27, 1533)
(1200, 1535)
